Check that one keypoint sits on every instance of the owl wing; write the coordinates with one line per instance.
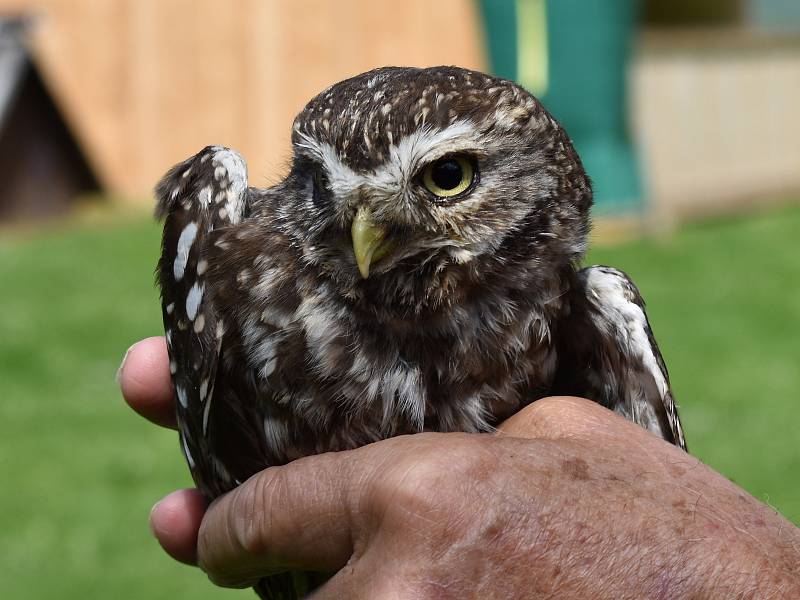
(201, 201)
(196, 197)
(607, 353)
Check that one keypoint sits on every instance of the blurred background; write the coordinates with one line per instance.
(685, 113)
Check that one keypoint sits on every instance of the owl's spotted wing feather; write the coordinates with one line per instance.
(199, 199)
(196, 197)
(608, 353)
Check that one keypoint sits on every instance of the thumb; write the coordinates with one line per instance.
(568, 417)
(297, 516)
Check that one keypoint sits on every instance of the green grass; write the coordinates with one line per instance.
(724, 302)
(80, 471)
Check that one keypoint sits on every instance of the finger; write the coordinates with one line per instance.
(372, 575)
(175, 521)
(296, 516)
(145, 381)
(559, 417)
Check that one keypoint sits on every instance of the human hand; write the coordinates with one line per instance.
(566, 501)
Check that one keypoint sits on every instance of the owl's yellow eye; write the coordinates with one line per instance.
(448, 176)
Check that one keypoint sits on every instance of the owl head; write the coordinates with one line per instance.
(409, 184)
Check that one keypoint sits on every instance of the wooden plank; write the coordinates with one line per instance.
(147, 82)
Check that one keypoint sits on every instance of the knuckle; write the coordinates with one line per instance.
(239, 536)
(412, 496)
(250, 516)
(207, 542)
(548, 409)
(426, 482)
(237, 528)
(557, 415)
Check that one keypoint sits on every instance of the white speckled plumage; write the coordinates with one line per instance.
(281, 348)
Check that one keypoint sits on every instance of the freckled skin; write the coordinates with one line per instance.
(283, 348)
(576, 468)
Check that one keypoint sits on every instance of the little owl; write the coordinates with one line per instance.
(416, 270)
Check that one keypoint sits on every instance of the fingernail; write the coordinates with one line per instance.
(150, 518)
(118, 376)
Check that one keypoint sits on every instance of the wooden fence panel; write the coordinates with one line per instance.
(147, 82)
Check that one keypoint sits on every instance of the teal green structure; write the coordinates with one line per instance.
(588, 48)
(500, 25)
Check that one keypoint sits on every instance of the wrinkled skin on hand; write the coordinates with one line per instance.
(567, 500)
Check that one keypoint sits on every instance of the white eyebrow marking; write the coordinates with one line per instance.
(423, 146)
(185, 242)
(405, 157)
(341, 177)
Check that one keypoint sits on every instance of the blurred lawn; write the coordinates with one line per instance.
(80, 471)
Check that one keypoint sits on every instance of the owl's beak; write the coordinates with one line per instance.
(369, 241)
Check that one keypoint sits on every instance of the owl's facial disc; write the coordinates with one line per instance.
(370, 243)
(443, 181)
(404, 175)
